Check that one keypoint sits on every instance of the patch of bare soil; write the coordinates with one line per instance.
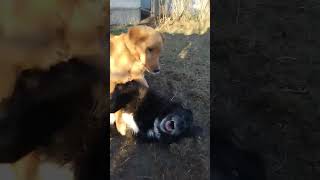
(185, 77)
(266, 80)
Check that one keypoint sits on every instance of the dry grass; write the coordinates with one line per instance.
(182, 18)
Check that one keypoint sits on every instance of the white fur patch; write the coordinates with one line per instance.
(112, 118)
(155, 129)
(128, 119)
(150, 133)
(154, 133)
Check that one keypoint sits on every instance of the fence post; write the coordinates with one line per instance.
(155, 8)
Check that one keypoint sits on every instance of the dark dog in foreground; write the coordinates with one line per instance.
(152, 117)
(56, 116)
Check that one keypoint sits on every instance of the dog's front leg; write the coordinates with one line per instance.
(120, 124)
(143, 91)
(143, 81)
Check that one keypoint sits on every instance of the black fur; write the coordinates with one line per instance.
(148, 109)
(66, 102)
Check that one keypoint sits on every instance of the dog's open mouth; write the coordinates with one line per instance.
(169, 126)
(172, 125)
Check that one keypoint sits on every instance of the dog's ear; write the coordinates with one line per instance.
(136, 35)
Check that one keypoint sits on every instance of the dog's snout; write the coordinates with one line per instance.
(182, 125)
(156, 71)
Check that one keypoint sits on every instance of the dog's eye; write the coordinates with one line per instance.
(150, 49)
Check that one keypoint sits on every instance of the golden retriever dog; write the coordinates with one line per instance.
(40, 34)
(131, 54)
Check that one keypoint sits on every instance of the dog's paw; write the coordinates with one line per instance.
(112, 118)
(122, 131)
(122, 128)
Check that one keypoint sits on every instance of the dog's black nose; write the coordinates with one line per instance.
(156, 71)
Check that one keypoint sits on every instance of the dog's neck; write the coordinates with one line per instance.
(138, 68)
(131, 47)
(137, 71)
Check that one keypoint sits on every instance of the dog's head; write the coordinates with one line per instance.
(175, 123)
(145, 43)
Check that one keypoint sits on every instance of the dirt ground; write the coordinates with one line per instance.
(266, 81)
(185, 76)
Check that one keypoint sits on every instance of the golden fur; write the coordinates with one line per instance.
(131, 54)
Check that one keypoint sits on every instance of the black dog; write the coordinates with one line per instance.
(61, 113)
(154, 118)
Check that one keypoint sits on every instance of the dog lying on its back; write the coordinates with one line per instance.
(152, 118)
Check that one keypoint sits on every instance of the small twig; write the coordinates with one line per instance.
(303, 91)
(286, 57)
(173, 97)
(144, 177)
(238, 12)
(124, 162)
(281, 163)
